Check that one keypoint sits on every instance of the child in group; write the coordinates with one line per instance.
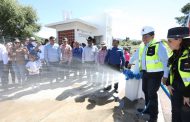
(33, 67)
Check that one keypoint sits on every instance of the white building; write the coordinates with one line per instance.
(79, 30)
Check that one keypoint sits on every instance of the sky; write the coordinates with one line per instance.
(128, 16)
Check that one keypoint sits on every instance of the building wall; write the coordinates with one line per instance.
(69, 34)
(75, 32)
(83, 32)
(103, 23)
(66, 26)
(100, 29)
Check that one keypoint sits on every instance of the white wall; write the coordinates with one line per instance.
(82, 31)
(66, 26)
(104, 24)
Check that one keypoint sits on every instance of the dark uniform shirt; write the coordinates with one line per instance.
(178, 82)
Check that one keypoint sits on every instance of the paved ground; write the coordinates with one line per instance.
(54, 102)
(70, 99)
(166, 105)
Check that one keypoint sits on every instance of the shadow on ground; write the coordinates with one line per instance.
(128, 113)
(97, 98)
(59, 78)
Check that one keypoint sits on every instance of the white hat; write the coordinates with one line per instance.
(103, 44)
(32, 38)
(146, 30)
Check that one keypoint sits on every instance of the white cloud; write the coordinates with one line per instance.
(124, 24)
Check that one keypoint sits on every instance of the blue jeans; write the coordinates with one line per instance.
(19, 70)
(10, 70)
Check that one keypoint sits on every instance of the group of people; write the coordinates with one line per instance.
(166, 61)
(169, 62)
(25, 60)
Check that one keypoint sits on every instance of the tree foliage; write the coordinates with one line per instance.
(136, 42)
(17, 20)
(185, 10)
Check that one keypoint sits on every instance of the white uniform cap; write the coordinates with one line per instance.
(146, 30)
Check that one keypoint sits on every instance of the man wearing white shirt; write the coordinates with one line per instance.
(89, 57)
(3, 62)
(42, 48)
(89, 53)
(52, 56)
(153, 59)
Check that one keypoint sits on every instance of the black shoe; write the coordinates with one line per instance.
(107, 88)
(115, 90)
(145, 117)
(140, 110)
(152, 120)
(143, 111)
(115, 85)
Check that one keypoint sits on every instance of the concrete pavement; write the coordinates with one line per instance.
(74, 99)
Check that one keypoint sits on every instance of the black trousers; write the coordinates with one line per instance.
(150, 85)
(185, 113)
(176, 102)
(126, 64)
(180, 112)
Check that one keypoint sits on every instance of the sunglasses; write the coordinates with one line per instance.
(17, 42)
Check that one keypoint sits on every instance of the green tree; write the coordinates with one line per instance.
(185, 10)
(136, 42)
(17, 20)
